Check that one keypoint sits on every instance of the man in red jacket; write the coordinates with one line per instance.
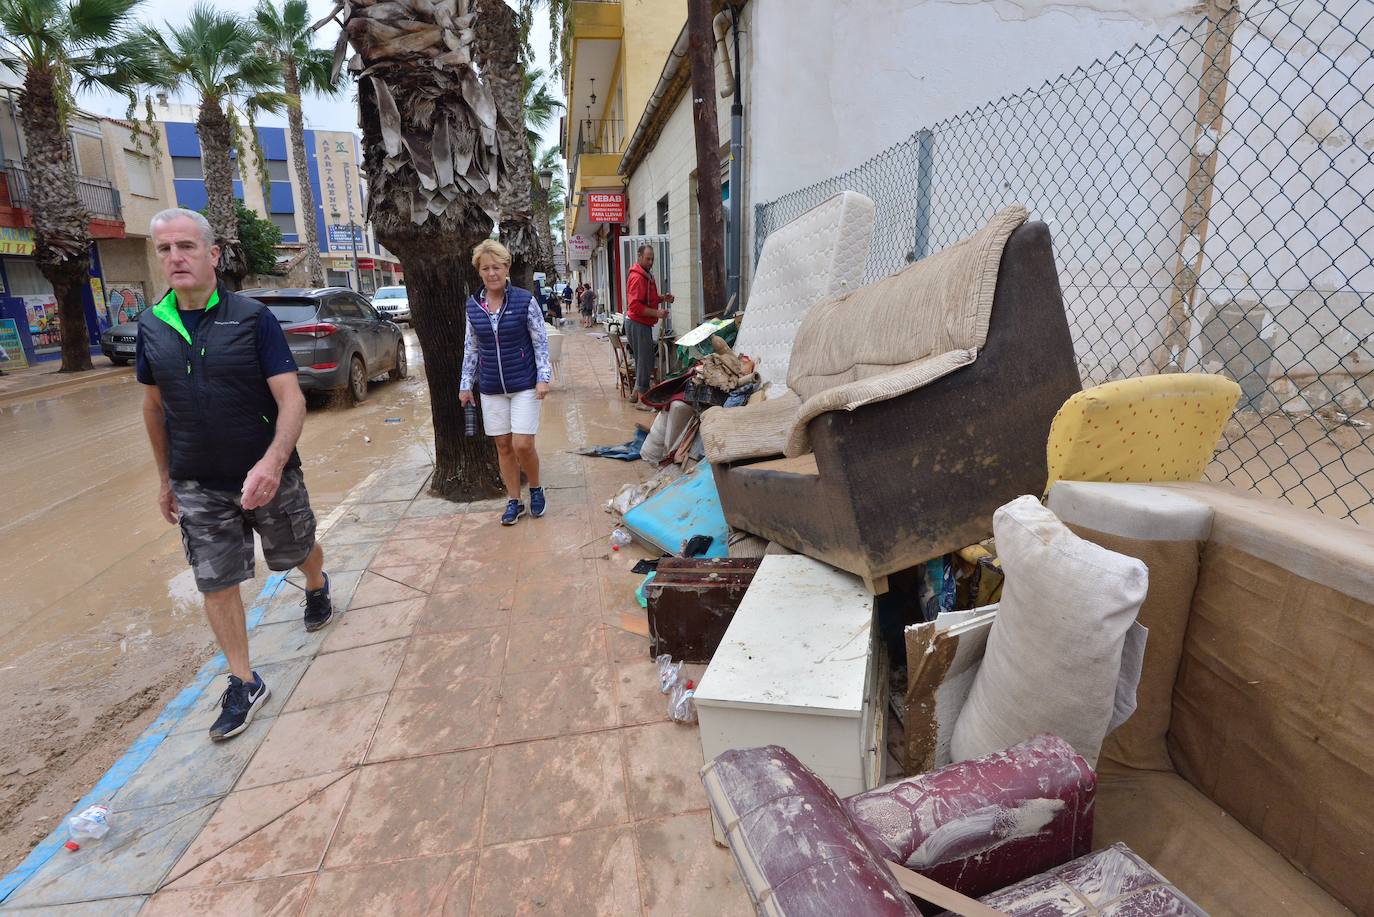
(643, 313)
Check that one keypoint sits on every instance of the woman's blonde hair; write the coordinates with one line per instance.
(493, 248)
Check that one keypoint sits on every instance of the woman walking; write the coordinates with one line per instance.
(506, 351)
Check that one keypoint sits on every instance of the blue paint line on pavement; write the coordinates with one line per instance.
(139, 752)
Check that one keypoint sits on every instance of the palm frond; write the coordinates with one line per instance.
(314, 70)
(98, 20)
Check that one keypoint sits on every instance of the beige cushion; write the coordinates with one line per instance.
(750, 431)
(939, 304)
(1165, 530)
(1053, 657)
(852, 395)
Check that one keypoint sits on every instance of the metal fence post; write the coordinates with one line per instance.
(1222, 16)
(925, 158)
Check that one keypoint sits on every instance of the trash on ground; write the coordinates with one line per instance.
(682, 709)
(668, 672)
(392, 420)
(625, 452)
(89, 825)
(639, 592)
(696, 546)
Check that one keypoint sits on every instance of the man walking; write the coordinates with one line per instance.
(643, 313)
(223, 411)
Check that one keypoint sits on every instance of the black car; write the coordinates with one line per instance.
(338, 339)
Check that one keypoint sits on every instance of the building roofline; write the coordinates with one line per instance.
(672, 83)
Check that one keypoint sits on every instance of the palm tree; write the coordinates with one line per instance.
(288, 39)
(540, 107)
(218, 55)
(433, 163)
(498, 54)
(60, 48)
(546, 203)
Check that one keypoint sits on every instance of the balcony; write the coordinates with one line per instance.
(99, 197)
(596, 156)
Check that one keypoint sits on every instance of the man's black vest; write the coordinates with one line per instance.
(219, 410)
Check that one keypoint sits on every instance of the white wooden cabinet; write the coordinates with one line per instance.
(799, 667)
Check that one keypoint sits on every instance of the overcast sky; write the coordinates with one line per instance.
(321, 114)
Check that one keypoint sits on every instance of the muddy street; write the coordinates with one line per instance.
(100, 622)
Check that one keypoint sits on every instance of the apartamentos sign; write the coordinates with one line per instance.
(606, 206)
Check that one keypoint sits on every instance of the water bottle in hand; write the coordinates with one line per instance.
(90, 824)
(469, 419)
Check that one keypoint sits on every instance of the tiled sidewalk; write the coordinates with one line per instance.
(475, 735)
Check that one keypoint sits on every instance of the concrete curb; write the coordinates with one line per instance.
(58, 385)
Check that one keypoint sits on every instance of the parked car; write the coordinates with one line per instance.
(393, 303)
(338, 339)
(118, 342)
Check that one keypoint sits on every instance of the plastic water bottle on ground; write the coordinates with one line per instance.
(619, 538)
(90, 824)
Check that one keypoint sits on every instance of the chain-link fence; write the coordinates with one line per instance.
(1211, 201)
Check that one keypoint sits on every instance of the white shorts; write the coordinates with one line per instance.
(518, 413)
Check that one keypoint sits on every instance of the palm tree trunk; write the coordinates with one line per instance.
(498, 48)
(541, 224)
(295, 120)
(707, 131)
(439, 277)
(216, 139)
(61, 239)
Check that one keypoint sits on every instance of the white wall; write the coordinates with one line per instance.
(833, 83)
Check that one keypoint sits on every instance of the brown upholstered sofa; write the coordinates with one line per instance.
(914, 408)
(1246, 774)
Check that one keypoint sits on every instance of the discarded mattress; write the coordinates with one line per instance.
(820, 254)
(688, 506)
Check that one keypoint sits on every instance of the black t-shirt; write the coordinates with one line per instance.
(274, 356)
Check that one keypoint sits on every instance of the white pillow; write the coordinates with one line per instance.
(1054, 654)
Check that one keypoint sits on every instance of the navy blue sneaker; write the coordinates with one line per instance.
(237, 704)
(319, 611)
(537, 502)
(514, 510)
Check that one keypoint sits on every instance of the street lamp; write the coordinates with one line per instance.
(546, 179)
(357, 282)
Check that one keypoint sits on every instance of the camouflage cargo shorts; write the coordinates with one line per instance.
(217, 533)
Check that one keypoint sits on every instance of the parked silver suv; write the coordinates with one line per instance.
(338, 339)
(393, 303)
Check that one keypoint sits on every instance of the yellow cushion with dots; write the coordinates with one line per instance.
(1153, 428)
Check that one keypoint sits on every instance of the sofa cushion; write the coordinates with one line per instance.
(754, 430)
(1053, 657)
(1165, 530)
(977, 826)
(1151, 428)
(1112, 881)
(1210, 857)
(939, 304)
(816, 256)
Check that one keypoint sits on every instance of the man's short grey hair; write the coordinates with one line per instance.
(177, 213)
